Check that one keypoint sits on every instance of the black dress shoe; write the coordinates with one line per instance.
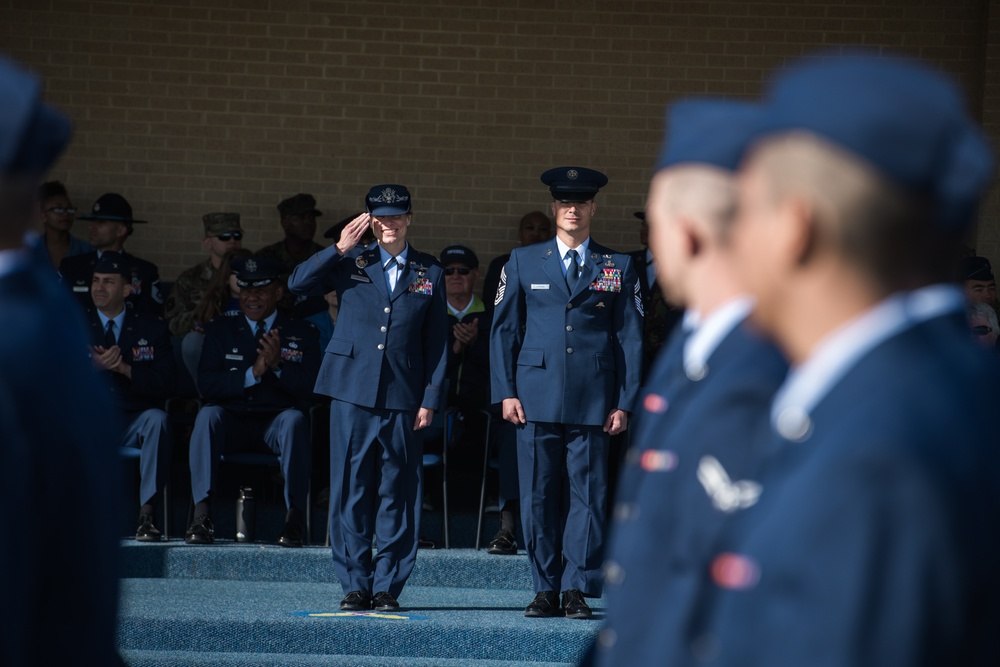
(574, 605)
(503, 543)
(147, 532)
(385, 602)
(201, 531)
(291, 535)
(356, 601)
(545, 605)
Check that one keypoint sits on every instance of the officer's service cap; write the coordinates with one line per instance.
(459, 254)
(975, 268)
(906, 120)
(32, 134)
(112, 206)
(574, 184)
(335, 230)
(221, 223)
(256, 271)
(298, 205)
(710, 132)
(110, 262)
(388, 199)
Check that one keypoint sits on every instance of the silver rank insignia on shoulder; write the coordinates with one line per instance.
(143, 341)
(361, 262)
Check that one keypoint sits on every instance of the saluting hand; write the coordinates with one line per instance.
(513, 412)
(352, 233)
(616, 422)
(268, 354)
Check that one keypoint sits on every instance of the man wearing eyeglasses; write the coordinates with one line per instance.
(222, 234)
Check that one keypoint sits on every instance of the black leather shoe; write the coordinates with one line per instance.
(201, 531)
(574, 605)
(356, 601)
(503, 544)
(384, 602)
(147, 532)
(545, 605)
(291, 535)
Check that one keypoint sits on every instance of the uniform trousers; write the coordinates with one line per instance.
(563, 474)
(149, 431)
(219, 431)
(375, 490)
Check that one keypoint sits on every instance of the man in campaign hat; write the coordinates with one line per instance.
(692, 460)
(869, 542)
(51, 463)
(298, 221)
(222, 234)
(133, 349)
(256, 375)
(566, 353)
(385, 370)
(111, 223)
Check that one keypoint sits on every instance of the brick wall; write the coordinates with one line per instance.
(190, 107)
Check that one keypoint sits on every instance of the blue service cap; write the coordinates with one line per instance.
(32, 134)
(574, 184)
(709, 131)
(256, 271)
(112, 262)
(903, 118)
(388, 199)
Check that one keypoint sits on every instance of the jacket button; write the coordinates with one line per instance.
(381, 346)
(382, 329)
(569, 350)
(569, 327)
(569, 306)
(386, 309)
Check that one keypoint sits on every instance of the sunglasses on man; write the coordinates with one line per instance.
(462, 270)
(235, 236)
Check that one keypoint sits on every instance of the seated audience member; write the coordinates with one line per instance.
(133, 349)
(978, 281)
(58, 213)
(256, 375)
(298, 220)
(221, 298)
(111, 223)
(534, 227)
(222, 234)
(469, 380)
(325, 321)
(983, 322)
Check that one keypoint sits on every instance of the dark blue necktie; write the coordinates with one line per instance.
(573, 270)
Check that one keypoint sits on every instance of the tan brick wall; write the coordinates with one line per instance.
(190, 107)
(988, 237)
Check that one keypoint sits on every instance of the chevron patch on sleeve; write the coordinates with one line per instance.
(638, 299)
(502, 287)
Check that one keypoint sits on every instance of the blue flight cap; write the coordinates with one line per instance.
(906, 120)
(388, 199)
(574, 184)
(256, 271)
(32, 134)
(709, 131)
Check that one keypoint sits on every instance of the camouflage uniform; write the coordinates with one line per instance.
(191, 285)
(186, 295)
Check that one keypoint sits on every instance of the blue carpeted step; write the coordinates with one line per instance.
(437, 622)
(198, 659)
(434, 567)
